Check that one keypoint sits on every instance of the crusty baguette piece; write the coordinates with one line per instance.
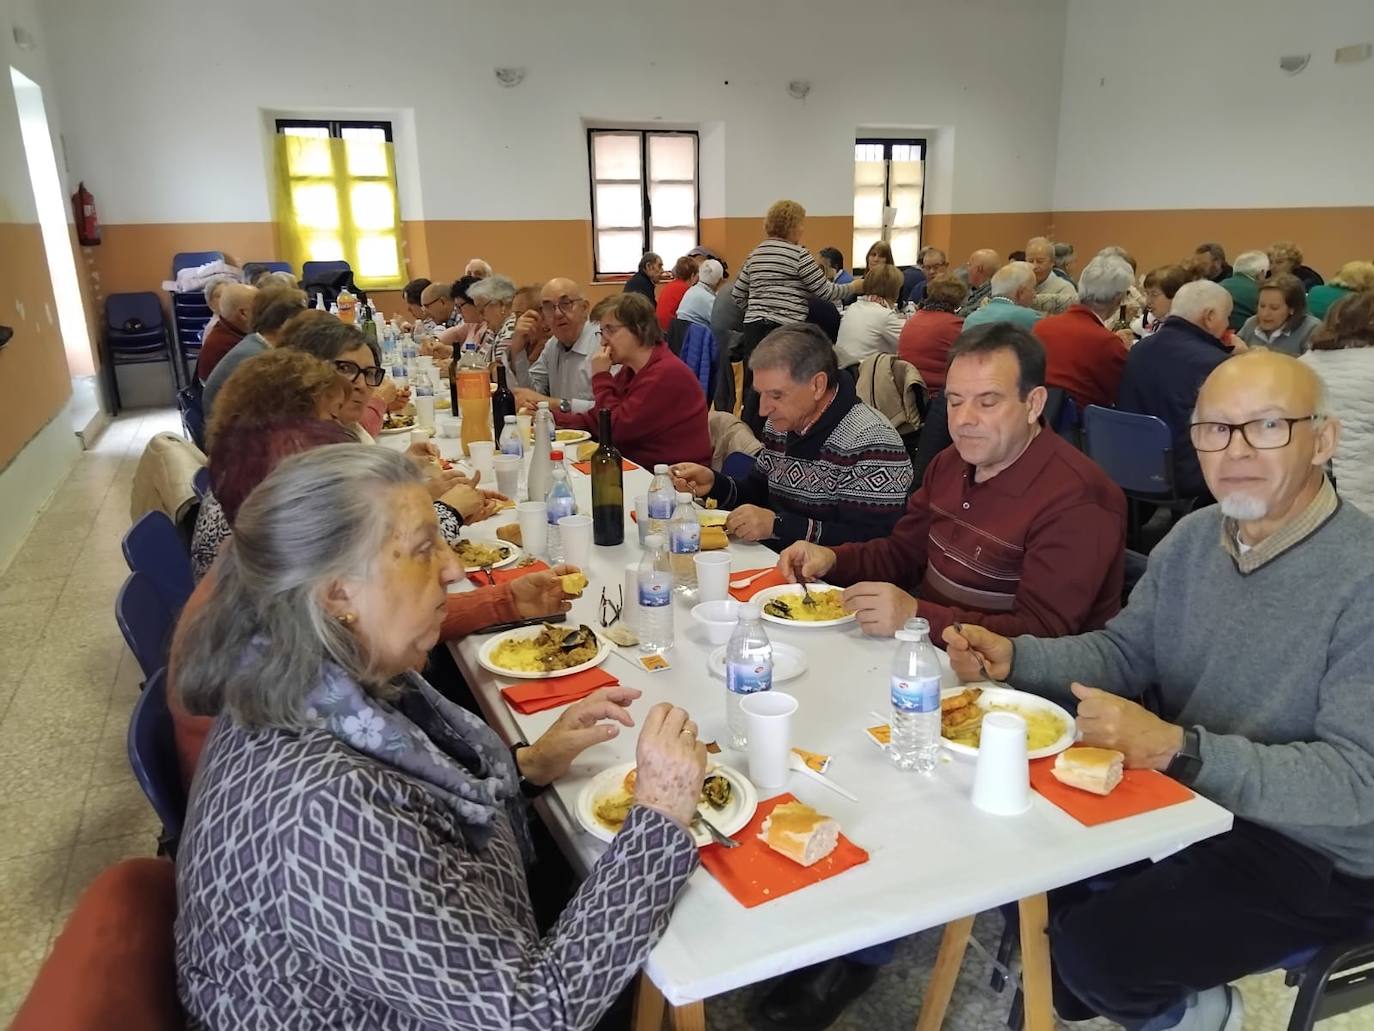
(511, 534)
(1098, 770)
(713, 538)
(574, 584)
(800, 833)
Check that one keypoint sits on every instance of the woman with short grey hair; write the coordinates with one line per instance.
(355, 844)
(494, 298)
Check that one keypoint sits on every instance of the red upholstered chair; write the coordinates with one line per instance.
(113, 964)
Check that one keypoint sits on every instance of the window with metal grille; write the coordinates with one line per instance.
(644, 196)
(889, 190)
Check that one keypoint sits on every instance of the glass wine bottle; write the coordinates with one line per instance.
(503, 401)
(608, 489)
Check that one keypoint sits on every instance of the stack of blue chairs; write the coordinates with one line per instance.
(135, 334)
(189, 314)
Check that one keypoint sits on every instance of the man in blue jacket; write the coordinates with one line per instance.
(1165, 371)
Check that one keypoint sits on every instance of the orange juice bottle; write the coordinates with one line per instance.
(474, 397)
(348, 307)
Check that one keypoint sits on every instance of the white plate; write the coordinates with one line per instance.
(790, 591)
(1022, 700)
(730, 820)
(788, 662)
(512, 556)
(394, 430)
(566, 437)
(488, 647)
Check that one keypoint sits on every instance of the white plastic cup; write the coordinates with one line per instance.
(424, 411)
(576, 533)
(1001, 781)
(768, 727)
(642, 517)
(533, 517)
(629, 612)
(507, 474)
(449, 425)
(525, 424)
(419, 435)
(482, 453)
(713, 575)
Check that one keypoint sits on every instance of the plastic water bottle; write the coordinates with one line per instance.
(424, 400)
(398, 374)
(684, 541)
(511, 444)
(560, 503)
(541, 477)
(915, 699)
(748, 668)
(662, 500)
(654, 623)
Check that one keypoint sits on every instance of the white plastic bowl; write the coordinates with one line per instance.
(718, 617)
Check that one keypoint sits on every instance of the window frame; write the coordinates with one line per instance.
(887, 143)
(335, 127)
(646, 204)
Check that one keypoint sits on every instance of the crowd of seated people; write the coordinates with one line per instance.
(294, 663)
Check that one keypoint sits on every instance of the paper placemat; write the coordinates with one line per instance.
(1140, 791)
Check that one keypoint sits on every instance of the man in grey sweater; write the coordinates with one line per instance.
(1255, 620)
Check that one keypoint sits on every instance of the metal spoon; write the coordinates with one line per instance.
(959, 627)
(719, 838)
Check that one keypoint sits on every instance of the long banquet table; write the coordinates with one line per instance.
(934, 859)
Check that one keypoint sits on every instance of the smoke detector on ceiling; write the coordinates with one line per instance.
(510, 76)
(798, 88)
(1294, 63)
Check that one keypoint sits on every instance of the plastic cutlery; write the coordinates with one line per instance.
(799, 764)
(741, 584)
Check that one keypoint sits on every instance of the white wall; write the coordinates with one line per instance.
(1182, 104)
(164, 99)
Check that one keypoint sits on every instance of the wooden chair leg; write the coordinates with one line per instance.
(648, 1014)
(946, 972)
(691, 1017)
(1035, 963)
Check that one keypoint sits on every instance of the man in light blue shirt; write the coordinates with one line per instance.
(562, 374)
(700, 299)
(1013, 291)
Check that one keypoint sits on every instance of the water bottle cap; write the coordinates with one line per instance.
(684, 497)
(752, 610)
(917, 625)
(660, 469)
(555, 455)
(510, 419)
(544, 405)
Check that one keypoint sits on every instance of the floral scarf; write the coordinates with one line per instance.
(453, 754)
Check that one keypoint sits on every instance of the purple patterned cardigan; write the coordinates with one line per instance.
(344, 876)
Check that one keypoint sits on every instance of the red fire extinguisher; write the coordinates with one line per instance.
(87, 221)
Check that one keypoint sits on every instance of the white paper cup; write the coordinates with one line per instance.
(449, 425)
(482, 453)
(419, 435)
(629, 612)
(525, 424)
(768, 727)
(713, 575)
(1001, 781)
(576, 533)
(642, 517)
(507, 474)
(533, 517)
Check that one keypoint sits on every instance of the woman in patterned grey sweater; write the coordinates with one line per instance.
(354, 848)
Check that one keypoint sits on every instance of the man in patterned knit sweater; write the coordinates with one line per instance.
(832, 470)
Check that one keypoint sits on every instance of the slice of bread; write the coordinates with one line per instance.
(800, 833)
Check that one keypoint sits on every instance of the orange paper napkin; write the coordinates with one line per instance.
(1140, 791)
(537, 695)
(586, 467)
(505, 575)
(771, 579)
(754, 873)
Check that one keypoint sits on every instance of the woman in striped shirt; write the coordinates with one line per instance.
(774, 285)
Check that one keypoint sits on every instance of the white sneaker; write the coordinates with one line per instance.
(1217, 1009)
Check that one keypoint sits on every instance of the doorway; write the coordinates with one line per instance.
(49, 200)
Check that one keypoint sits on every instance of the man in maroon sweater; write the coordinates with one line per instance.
(1082, 356)
(235, 319)
(1012, 528)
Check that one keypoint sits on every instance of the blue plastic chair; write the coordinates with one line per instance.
(313, 270)
(1330, 980)
(1137, 452)
(145, 621)
(200, 482)
(191, 259)
(191, 405)
(737, 465)
(272, 266)
(135, 334)
(153, 547)
(153, 757)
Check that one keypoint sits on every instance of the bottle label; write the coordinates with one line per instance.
(748, 677)
(655, 592)
(473, 386)
(560, 506)
(661, 507)
(916, 695)
(510, 445)
(685, 539)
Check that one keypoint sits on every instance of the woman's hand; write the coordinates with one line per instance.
(445, 481)
(540, 594)
(580, 726)
(472, 504)
(671, 764)
(424, 452)
(601, 361)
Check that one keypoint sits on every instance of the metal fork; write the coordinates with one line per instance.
(491, 578)
(723, 840)
(806, 595)
(959, 628)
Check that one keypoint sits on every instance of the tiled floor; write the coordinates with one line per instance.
(69, 806)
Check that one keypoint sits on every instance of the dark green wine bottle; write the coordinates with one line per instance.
(608, 488)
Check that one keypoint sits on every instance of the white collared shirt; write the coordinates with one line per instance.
(562, 372)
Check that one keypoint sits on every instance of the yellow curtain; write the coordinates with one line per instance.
(336, 199)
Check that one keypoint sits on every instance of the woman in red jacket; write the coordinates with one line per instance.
(670, 294)
(657, 406)
(928, 335)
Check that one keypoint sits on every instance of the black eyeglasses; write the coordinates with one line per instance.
(1267, 434)
(350, 371)
(567, 306)
(613, 607)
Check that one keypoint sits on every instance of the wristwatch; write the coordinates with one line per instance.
(528, 788)
(1187, 761)
(565, 406)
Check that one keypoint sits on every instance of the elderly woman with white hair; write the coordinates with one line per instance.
(494, 299)
(1122, 321)
(355, 845)
(1082, 356)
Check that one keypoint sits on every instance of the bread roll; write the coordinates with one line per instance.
(1090, 769)
(510, 534)
(586, 450)
(800, 833)
(713, 538)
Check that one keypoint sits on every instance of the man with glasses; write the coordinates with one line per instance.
(440, 311)
(1164, 371)
(562, 373)
(1255, 623)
